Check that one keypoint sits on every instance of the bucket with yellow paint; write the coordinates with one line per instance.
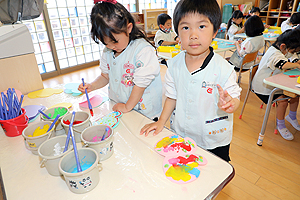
(35, 134)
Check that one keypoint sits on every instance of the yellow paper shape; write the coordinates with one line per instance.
(64, 104)
(44, 93)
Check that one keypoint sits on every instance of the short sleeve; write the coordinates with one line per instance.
(232, 87)
(170, 85)
(276, 60)
(158, 37)
(103, 62)
(233, 29)
(147, 67)
(246, 47)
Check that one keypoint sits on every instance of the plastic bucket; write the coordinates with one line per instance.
(86, 180)
(59, 130)
(48, 151)
(91, 137)
(33, 143)
(77, 128)
(14, 127)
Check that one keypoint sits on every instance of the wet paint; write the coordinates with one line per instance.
(40, 131)
(74, 123)
(60, 111)
(84, 166)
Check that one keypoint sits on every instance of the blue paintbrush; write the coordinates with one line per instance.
(88, 100)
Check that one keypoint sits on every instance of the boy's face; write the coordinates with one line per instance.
(168, 24)
(255, 13)
(196, 33)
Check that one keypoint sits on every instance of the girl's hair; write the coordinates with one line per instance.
(108, 18)
(254, 26)
(295, 18)
(236, 14)
(290, 38)
(209, 8)
(254, 10)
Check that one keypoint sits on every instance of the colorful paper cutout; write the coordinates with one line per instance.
(291, 72)
(183, 169)
(175, 145)
(112, 119)
(65, 104)
(96, 101)
(72, 88)
(44, 93)
(32, 111)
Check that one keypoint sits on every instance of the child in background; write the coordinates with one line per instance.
(291, 23)
(235, 25)
(279, 57)
(165, 36)
(255, 41)
(256, 11)
(200, 85)
(128, 62)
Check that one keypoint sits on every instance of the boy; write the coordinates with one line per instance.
(195, 80)
(291, 23)
(164, 36)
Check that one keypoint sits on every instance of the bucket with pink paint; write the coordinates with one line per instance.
(51, 151)
(35, 134)
(52, 112)
(100, 138)
(88, 178)
(81, 122)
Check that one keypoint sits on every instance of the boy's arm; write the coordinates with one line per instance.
(134, 98)
(169, 107)
(226, 102)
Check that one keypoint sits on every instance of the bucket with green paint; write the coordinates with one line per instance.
(52, 113)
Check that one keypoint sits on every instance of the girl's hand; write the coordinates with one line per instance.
(157, 126)
(226, 102)
(120, 107)
(86, 86)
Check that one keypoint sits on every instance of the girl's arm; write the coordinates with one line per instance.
(169, 107)
(238, 46)
(98, 83)
(290, 65)
(240, 31)
(134, 98)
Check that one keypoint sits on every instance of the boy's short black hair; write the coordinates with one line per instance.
(162, 18)
(209, 8)
(290, 38)
(254, 10)
(254, 26)
(295, 18)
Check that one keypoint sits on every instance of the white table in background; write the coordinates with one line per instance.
(135, 170)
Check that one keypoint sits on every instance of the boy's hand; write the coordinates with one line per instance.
(157, 126)
(86, 86)
(226, 102)
(120, 107)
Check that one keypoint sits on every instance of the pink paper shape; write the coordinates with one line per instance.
(183, 168)
(95, 101)
(173, 145)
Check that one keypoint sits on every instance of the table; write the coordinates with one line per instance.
(221, 42)
(280, 82)
(134, 171)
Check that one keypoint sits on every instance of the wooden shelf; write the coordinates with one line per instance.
(150, 19)
(278, 7)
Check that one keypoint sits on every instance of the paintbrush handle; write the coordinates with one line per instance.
(74, 143)
(54, 122)
(43, 114)
(87, 96)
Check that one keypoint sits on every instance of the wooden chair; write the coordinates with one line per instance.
(253, 70)
(247, 58)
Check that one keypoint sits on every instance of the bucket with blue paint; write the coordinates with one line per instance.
(100, 138)
(88, 178)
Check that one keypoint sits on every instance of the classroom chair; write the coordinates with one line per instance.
(253, 70)
(247, 58)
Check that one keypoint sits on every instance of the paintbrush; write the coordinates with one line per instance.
(88, 100)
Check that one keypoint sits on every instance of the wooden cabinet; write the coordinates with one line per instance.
(150, 19)
(278, 12)
(139, 20)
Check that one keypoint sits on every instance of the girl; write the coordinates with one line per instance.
(255, 41)
(279, 57)
(128, 62)
(234, 25)
(256, 11)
